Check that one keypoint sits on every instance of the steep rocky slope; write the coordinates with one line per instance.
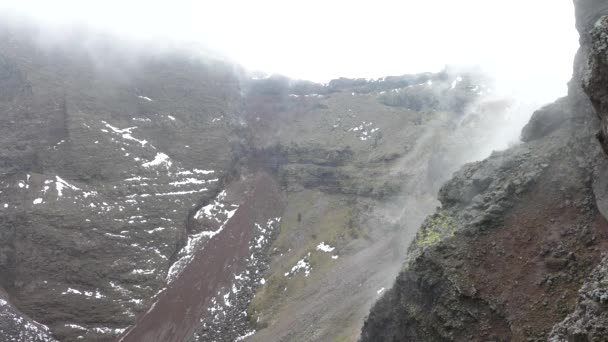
(159, 195)
(515, 252)
(351, 163)
(104, 162)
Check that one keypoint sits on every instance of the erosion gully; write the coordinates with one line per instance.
(178, 309)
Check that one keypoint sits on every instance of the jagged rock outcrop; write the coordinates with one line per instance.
(547, 119)
(516, 228)
(593, 28)
(520, 236)
(589, 322)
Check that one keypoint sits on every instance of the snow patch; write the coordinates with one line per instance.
(325, 248)
(159, 159)
(177, 193)
(71, 290)
(188, 181)
(159, 229)
(144, 272)
(61, 184)
(78, 327)
(204, 172)
(248, 334)
(301, 265)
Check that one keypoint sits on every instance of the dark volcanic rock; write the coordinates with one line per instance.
(546, 120)
(15, 326)
(101, 162)
(588, 12)
(589, 321)
(518, 234)
(594, 46)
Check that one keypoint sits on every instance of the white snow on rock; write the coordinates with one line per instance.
(95, 294)
(204, 172)
(125, 133)
(145, 98)
(301, 265)
(171, 117)
(159, 229)
(38, 200)
(116, 236)
(364, 131)
(177, 193)
(456, 81)
(61, 184)
(75, 326)
(128, 136)
(216, 211)
(26, 330)
(188, 181)
(71, 290)
(325, 248)
(212, 210)
(119, 130)
(106, 330)
(160, 159)
(142, 119)
(248, 334)
(140, 271)
(380, 291)
(138, 178)
(230, 308)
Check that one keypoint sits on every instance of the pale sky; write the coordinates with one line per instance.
(528, 45)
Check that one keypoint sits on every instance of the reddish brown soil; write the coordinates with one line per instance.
(507, 264)
(178, 309)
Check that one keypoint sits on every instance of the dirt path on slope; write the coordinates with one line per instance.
(177, 311)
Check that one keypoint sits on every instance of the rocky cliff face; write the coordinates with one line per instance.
(104, 163)
(516, 251)
(155, 195)
(159, 196)
(352, 155)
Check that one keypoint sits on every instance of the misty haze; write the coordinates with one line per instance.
(329, 171)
